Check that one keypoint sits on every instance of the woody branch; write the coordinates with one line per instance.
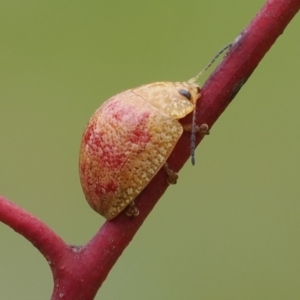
(79, 271)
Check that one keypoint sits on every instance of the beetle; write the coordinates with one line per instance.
(129, 139)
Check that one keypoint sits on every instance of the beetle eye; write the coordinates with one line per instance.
(186, 94)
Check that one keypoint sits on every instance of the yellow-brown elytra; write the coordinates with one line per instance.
(129, 139)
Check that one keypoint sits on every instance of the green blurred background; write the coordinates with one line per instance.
(230, 228)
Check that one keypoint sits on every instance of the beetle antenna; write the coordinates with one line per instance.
(194, 79)
(193, 138)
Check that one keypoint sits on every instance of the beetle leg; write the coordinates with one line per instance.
(132, 210)
(203, 129)
(172, 176)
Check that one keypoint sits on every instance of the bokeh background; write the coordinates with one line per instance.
(230, 228)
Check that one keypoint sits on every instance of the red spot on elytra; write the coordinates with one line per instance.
(112, 187)
(112, 160)
(88, 132)
(102, 190)
(140, 134)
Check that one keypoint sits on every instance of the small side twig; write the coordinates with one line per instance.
(33, 229)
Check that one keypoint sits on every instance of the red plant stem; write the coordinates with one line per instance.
(33, 229)
(79, 271)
